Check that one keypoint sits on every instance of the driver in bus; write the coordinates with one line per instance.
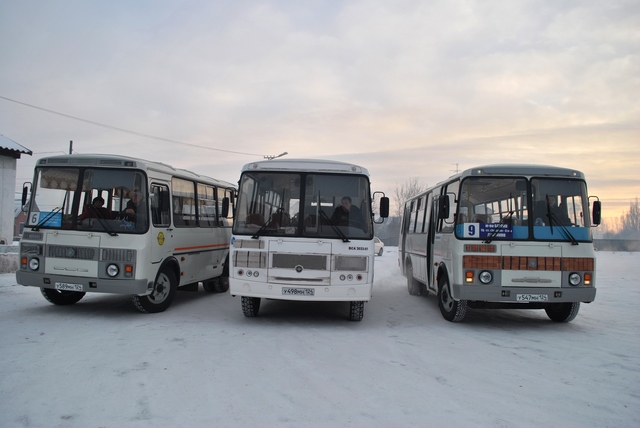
(346, 214)
(134, 208)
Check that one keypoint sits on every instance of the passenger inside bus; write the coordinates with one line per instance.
(134, 209)
(95, 210)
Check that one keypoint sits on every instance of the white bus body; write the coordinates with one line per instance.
(491, 237)
(286, 243)
(175, 236)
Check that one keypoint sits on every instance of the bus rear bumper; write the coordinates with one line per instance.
(523, 294)
(277, 291)
(87, 285)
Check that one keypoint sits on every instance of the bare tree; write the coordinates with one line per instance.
(411, 187)
(630, 222)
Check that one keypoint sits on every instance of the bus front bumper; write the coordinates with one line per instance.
(87, 285)
(523, 294)
(278, 291)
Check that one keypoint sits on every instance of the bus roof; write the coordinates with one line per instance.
(522, 170)
(119, 161)
(312, 165)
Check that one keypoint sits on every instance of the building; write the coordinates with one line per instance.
(10, 152)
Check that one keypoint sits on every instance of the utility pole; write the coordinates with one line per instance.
(71, 147)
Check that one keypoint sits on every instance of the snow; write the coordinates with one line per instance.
(101, 363)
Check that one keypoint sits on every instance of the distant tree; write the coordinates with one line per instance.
(404, 191)
(630, 222)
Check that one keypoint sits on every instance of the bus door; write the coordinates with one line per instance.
(430, 220)
(161, 231)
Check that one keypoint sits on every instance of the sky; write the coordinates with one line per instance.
(201, 363)
(407, 89)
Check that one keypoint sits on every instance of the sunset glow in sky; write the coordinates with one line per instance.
(405, 88)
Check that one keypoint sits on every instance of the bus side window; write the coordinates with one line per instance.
(160, 205)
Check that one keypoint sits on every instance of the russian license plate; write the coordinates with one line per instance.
(290, 291)
(532, 297)
(64, 286)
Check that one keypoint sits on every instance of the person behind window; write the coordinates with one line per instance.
(346, 214)
(95, 210)
(134, 209)
(551, 207)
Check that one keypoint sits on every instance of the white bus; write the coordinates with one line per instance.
(303, 231)
(502, 236)
(115, 224)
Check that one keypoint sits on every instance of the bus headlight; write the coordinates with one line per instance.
(34, 264)
(485, 277)
(112, 270)
(574, 279)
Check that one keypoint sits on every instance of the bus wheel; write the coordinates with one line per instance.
(414, 286)
(250, 306)
(356, 311)
(563, 312)
(216, 285)
(450, 309)
(62, 297)
(164, 290)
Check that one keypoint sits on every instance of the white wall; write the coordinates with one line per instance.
(7, 198)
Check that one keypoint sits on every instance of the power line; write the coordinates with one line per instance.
(140, 134)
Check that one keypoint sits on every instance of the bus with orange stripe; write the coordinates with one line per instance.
(117, 224)
(502, 236)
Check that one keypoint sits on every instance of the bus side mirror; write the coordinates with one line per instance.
(225, 208)
(384, 207)
(443, 207)
(597, 212)
(25, 193)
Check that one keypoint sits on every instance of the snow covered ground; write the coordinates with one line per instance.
(101, 363)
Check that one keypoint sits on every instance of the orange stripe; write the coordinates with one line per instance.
(201, 247)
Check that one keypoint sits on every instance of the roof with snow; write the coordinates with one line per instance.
(10, 148)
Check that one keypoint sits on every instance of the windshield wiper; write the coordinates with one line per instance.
(266, 224)
(103, 221)
(55, 211)
(567, 234)
(334, 227)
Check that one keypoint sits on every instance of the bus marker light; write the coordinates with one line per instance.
(468, 276)
(587, 279)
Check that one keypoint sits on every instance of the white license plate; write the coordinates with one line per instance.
(63, 286)
(532, 297)
(289, 291)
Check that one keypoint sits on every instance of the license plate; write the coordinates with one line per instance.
(63, 286)
(532, 297)
(288, 291)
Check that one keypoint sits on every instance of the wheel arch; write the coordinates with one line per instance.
(172, 264)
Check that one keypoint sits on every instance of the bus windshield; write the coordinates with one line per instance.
(304, 205)
(493, 208)
(109, 200)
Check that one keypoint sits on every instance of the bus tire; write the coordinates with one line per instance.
(164, 290)
(62, 297)
(415, 287)
(450, 309)
(563, 312)
(356, 311)
(250, 306)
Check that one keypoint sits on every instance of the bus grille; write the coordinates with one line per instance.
(117, 255)
(69, 252)
(307, 261)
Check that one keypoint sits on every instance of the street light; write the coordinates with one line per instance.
(271, 157)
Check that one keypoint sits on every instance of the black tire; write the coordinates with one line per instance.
(250, 306)
(451, 310)
(62, 297)
(216, 285)
(415, 287)
(356, 311)
(381, 251)
(164, 291)
(563, 312)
